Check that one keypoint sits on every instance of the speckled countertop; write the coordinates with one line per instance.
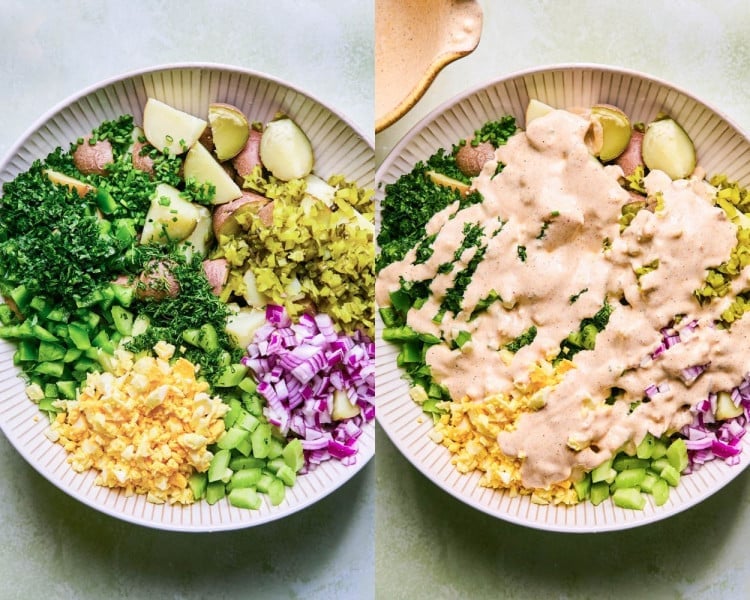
(430, 545)
(52, 546)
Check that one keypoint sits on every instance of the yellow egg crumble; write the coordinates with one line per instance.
(145, 427)
(471, 427)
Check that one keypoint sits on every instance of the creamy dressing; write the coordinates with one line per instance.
(562, 207)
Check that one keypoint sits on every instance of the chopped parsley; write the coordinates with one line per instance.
(521, 251)
(526, 338)
(575, 297)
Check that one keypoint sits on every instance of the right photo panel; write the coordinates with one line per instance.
(562, 282)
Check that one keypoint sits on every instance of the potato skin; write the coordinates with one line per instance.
(92, 159)
(157, 282)
(470, 159)
(249, 156)
(223, 222)
(217, 272)
(631, 157)
(142, 162)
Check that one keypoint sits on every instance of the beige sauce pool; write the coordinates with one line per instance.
(550, 177)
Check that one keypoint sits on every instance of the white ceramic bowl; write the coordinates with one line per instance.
(339, 148)
(721, 147)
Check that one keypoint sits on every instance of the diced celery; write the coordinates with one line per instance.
(264, 481)
(599, 492)
(245, 497)
(245, 447)
(671, 475)
(583, 487)
(230, 417)
(629, 498)
(248, 385)
(261, 440)
(217, 471)
(246, 462)
(208, 338)
(660, 492)
(623, 462)
(287, 475)
(647, 485)
(123, 319)
(604, 472)
(275, 464)
(276, 492)
(231, 438)
(230, 376)
(659, 464)
(646, 447)
(192, 337)
(275, 448)
(198, 483)
(293, 455)
(215, 491)
(246, 477)
(41, 306)
(253, 403)
(630, 478)
(247, 421)
(6, 314)
(659, 449)
(677, 455)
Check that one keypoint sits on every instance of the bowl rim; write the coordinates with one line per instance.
(386, 165)
(14, 149)
(181, 66)
(535, 70)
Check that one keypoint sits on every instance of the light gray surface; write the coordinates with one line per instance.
(429, 545)
(54, 547)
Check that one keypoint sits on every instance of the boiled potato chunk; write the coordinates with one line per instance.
(285, 150)
(726, 408)
(536, 109)
(616, 130)
(229, 128)
(72, 184)
(446, 181)
(167, 128)
(342, 408)
(203, 167)
(170, 217)
(667, 147)
(198, 241)
(252, 294)
(242, 324)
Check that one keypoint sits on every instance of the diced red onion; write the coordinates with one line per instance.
(298, 367)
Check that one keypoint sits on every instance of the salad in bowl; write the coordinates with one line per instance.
(187, 304)
(566, 308)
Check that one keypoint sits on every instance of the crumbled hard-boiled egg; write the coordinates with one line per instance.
(470, 430)
(145, 427)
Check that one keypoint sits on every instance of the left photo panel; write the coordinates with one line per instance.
(187, 299)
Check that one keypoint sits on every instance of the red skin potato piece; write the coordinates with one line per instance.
(631, 158)
(249, 156)
(217, 272)
(223, 218)
(92, 159)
